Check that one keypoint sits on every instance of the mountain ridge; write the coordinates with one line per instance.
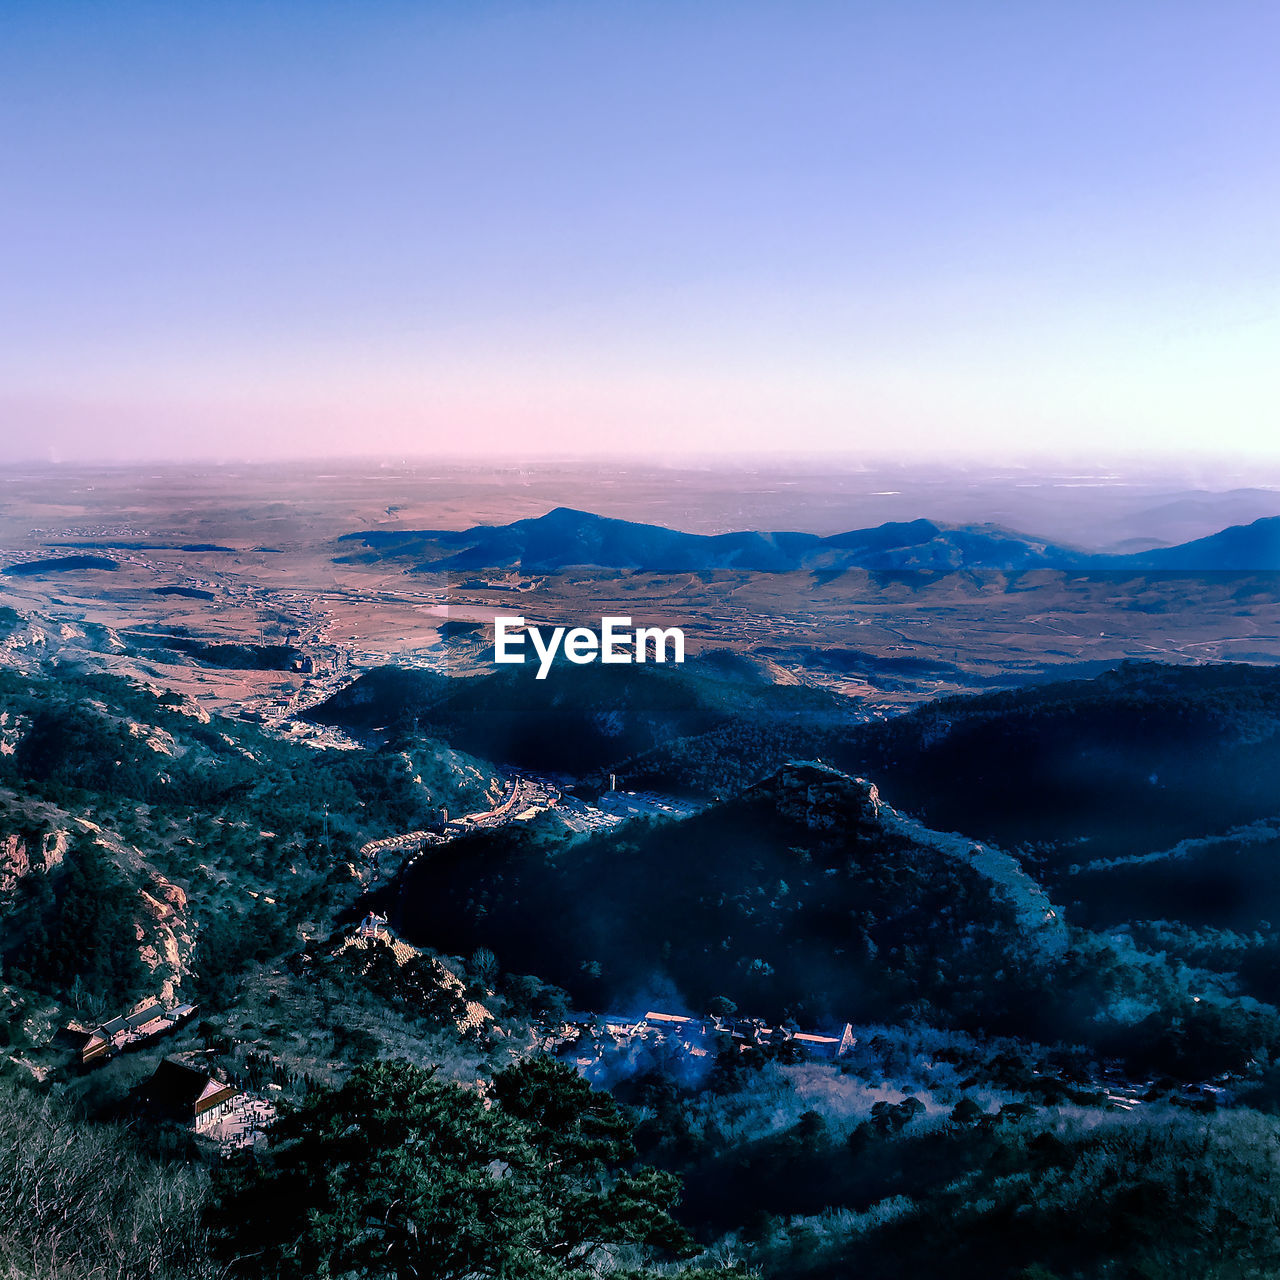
(566, 537)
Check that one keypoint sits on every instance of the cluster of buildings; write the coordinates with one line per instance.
(133, 1029)
(180, 1091)
(589, 1033)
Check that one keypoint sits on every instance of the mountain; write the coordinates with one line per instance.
(1242, 548)
(1182, 517)
(567, 538)
(1131, 761)
(148, 849)
(585, 718)
(805, 894)
(922, 544)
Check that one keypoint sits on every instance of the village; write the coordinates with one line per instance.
(583, 1038)
(233, 1110)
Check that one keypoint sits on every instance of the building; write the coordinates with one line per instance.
(372, 925)
(102, 1041)
(188, 1095)
(700, 1037)
(132, 1029)
(826, 1046)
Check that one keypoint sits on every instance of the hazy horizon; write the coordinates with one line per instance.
(942, 231)
(1207, 469)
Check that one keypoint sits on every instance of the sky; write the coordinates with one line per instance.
(904, 229)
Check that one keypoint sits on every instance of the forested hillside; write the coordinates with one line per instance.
(1060, 999)
(109, 791)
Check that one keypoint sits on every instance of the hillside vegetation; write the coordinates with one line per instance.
(139, 793)
(1046, 914)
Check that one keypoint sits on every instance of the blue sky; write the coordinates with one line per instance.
(898, 229)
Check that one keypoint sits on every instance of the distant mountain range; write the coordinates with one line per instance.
(1253, 546)
(566, 538)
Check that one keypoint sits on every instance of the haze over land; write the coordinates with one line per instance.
(335, 555)
(1075, 502)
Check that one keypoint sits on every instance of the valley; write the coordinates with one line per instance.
(931, 898)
